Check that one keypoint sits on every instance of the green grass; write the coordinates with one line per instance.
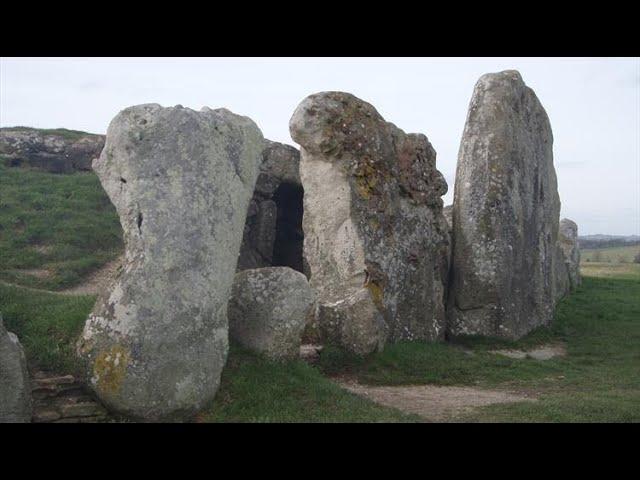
(47, 325)
(65, 225)
(255, 389)
(54, 229)
(599, 379)
(624, 254)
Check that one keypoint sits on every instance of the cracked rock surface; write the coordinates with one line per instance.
(181, 180)
(15, 387)
(375, 238)
(505, 214)
(268, 310)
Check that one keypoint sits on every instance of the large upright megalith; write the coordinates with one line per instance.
(181, 180)
(505, 213)
(375, 238)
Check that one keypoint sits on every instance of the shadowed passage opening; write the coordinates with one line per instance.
(288, 246)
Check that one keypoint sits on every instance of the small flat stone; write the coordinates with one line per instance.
(46, 416)
(81, 409)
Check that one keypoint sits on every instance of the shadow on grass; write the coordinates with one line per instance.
(255, 389)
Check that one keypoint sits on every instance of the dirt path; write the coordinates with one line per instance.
(92, 285)
(434, 403)
(543, 352)
(98, 280)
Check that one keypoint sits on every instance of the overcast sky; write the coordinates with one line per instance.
(593, 105)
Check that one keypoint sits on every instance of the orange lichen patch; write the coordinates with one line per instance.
(110, 368)
(377, 294)
(366, 180)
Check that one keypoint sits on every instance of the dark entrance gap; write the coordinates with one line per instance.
(288, 246)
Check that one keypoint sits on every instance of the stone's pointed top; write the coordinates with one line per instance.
(506, 76)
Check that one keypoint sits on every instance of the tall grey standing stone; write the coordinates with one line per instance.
(268, 310)
(569, 256)
(273, 229)
(15, 387)
(181, 181)
(505, 213)
(375, 238)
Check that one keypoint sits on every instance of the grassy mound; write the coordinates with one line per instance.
(54, 229)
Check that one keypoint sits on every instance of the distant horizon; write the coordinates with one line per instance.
(593, 106)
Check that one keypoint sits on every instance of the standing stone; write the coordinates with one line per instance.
(505, 213)
(15, 387)
(273, 229)
(448, 215)
(375, 237)
(181, 180)
(268, 310)
(569, 260)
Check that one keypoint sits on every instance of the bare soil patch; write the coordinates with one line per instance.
(34, 272)
(434, 403)
(545, 352)
(98, 280)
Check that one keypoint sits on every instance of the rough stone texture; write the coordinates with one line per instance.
(568, 262)
(505, 213)
(56, 151)
(15, 387)
(375, 237)
(448, 215)
(273, 229)
(63, 399)
(268, 310)
(156, 342)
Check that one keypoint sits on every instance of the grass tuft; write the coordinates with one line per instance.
(46, 324)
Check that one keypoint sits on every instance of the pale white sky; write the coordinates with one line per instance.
(593, 104)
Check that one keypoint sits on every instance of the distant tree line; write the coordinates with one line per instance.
(616, 242)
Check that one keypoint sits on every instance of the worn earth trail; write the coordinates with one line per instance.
(94, 283)
(433, 403)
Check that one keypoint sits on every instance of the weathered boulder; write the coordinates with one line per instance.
(570, 252)
(156, 342)
(56, 151)
(375, 238)
(505, 213)
(273, 230)
(15, 387)
(268, 310)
